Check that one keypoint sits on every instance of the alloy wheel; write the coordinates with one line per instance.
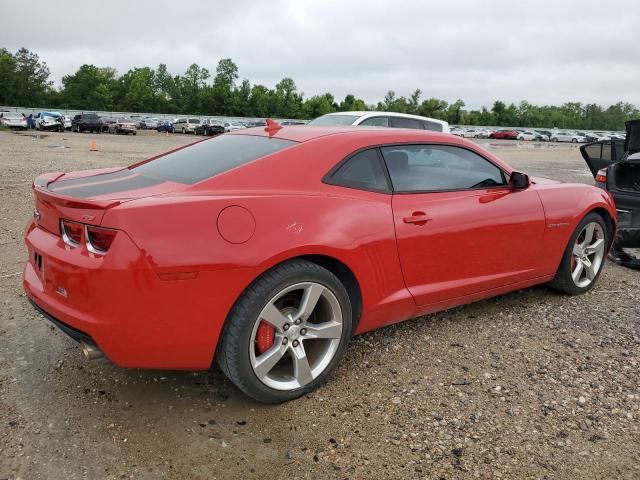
(588, 254)
(296, 336)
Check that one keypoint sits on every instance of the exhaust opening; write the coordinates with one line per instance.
(90, 351)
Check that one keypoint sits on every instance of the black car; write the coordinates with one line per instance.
(615, 164)
(209, 127)
(88, 122)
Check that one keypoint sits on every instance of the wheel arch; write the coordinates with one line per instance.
(608, 220)
(336, 266)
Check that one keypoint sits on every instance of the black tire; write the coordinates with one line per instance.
(574, 140)
(232, 353)
(563, 282)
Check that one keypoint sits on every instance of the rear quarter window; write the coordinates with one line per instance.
(211, 157)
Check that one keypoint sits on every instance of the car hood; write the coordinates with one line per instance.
(543, 181)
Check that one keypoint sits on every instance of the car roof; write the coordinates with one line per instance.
(303, 133)
(376, 113)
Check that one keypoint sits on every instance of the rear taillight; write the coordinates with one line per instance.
(99, 239)
(601, 176)
(71, 232)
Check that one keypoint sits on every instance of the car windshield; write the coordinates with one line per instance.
(334, 120)
(211, 157)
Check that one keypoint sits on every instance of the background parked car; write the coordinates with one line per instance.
(528, 135)
(505, 134)
(90, 122)
(186, 125)
(545, 135)
(50, 121)
(149, 123)
(165, 126)
(13, 120)
(209, 127)
(567, 137)
(382, 119)
(474, 133)
(232, 126)
(123, 125)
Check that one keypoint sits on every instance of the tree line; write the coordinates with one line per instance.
(25, 81)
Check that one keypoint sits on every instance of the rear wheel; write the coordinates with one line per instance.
(574, 140)
(286, 333)
(583, 258)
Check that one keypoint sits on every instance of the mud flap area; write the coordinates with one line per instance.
(626, 246)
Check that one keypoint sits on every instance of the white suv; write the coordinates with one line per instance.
(382, 119)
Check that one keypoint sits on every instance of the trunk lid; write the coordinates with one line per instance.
(86, 195)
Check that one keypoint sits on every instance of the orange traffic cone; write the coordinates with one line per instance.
(93, 147)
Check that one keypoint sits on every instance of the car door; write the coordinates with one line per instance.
(460, 229)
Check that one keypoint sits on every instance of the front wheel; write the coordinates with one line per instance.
(286, 333)
(583, 258)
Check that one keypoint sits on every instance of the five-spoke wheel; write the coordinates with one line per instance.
(287, 332)
(588, 254)
(584, 256)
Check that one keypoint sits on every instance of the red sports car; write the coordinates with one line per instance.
(267, 249)
(505, 134)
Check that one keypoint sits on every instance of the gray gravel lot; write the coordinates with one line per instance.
(527, 385)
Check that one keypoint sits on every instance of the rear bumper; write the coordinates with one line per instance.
(77, 335)
(122, 305)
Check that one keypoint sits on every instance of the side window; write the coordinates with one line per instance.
(375, 122)
(421, 168)
(363, 171)
(435, 127)
(400, 122)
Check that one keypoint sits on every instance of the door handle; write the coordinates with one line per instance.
(419, 218)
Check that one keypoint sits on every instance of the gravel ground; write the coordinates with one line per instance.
(527, 385)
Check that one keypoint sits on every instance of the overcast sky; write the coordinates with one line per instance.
(546, 52)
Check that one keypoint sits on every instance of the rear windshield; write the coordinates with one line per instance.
(334, 120)
(211, 157)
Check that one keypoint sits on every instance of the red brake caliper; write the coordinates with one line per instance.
(265, 336)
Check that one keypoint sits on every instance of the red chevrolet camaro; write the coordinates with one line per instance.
(267, 249)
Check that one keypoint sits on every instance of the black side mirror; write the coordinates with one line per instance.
(519, 181)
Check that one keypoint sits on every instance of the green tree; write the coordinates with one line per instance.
(351, 104)
(318, 105)
(90, 88)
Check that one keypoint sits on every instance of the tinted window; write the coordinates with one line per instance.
(211, 157)
(364, 171)
(334, 120)
(194, 120)
(436, 127)
(415, 168)
(399, 122)
(375, 122)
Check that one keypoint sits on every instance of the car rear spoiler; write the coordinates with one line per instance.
(72, 202)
